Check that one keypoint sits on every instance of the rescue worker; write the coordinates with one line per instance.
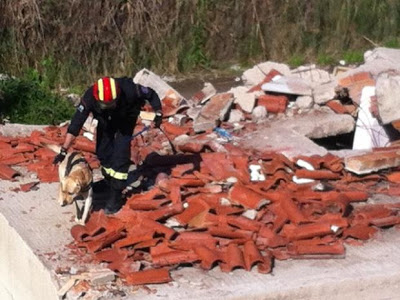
(116, 104)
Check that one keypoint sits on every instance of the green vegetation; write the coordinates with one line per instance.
(30, 101)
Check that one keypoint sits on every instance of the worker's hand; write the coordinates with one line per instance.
(158, 119)
(60, 156)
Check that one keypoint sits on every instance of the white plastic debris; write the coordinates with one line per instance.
(335, 228)
(255, 173)
(303, 164)
(250, 214)
(89, 135)
(302, 180)
(225, 202)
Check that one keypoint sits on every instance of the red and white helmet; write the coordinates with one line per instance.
(106, 91)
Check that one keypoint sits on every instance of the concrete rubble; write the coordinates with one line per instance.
(249, 188)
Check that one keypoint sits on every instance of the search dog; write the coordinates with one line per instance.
(76, 179)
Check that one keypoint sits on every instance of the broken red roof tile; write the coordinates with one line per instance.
(374, 161)
(273, 104)
(317, 174)
(23, 147)
(207, 256)
(386, 221)
(14, 160)
(174, 257)
(292, 210)
(181, 170)
(133, 238)
(271, 74)
(28, 186)
(44, 153)
(7, 139)
(360, 231)
(110, 255)
(266, 266)
(195, 208)
(151, 276)
(175, 130)
(147, 204)
(393, 177)
(240, 194)
(232, 258)
(107, 239)
(336, 248)
(7, 173)
(191, 240)
(83, 144)
(243, 223)
(337, 107)
(49, 174)
(251, 255)
(305, 231)
(5, 146)
(230, 232)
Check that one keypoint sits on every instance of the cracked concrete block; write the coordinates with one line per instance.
(151, 80)
(213, 111)
(259, 114)
(244, 99)
(325, 92)
(319, 123)
(387, 93)
(288, 85)
(102, 276)
(312, 74)
(304, 102)
(235, 116)
(256, 74)
(205, 94)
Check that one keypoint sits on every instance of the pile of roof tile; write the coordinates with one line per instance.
(31, 151)
(214, 215)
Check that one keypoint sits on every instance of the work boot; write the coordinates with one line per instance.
(114, 203)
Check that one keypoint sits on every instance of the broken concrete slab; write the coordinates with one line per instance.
(388, 54)
(259, 114)
(304, 102)
(235, 116)
(319, 123)
(256, 74)
(377, 61)
(325, 92)
(205, 94)
(244, 99)
(213, 111)
(101, 276)
(275, 137)
(151, 80)
(288, 85)
(373, 161)
(12, 129)
(312, 74)
(387, 94)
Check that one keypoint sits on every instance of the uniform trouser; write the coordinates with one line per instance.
(114, 150)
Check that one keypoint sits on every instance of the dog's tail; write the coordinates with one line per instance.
(54, 148)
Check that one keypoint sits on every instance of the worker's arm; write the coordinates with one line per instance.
(155, 102)
(79, 118)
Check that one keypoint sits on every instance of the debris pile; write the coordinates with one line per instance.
(234, 180)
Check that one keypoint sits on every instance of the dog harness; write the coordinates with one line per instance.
(71, 164)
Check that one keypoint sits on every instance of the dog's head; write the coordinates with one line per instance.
(70, 189)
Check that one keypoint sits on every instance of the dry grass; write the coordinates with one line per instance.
(88, 38)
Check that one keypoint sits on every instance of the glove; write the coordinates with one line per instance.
(158, 119)
(60, 156)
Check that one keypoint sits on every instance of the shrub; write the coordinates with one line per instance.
(29, 101)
